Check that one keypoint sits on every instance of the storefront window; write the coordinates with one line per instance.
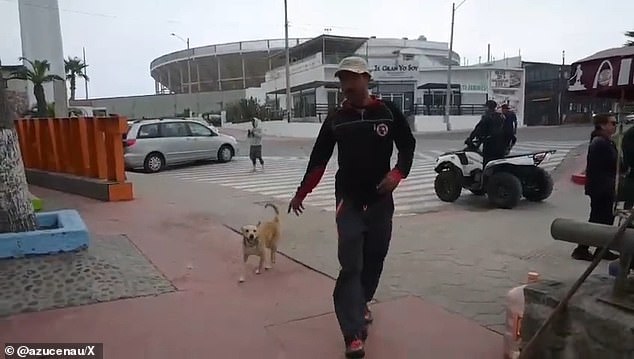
(304, 104)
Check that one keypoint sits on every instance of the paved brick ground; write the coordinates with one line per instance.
(284, 313)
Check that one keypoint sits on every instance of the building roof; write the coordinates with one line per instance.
(11, 68)
(437, 86)
(333, 47)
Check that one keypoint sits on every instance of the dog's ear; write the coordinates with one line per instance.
(243, 230)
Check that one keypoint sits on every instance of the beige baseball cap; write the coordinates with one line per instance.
(354, 64)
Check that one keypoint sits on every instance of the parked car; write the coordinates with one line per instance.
(155, 144)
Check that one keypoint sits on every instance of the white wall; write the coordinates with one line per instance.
(310, 130)
(477, 83)
(437, 124)
(41, 35)
(165, 105)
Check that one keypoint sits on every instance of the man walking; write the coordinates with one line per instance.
(255, 148)
(365, 130)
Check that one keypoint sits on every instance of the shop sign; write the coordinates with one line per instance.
(474, 88)
(395, 68)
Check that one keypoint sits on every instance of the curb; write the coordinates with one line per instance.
(579, 178)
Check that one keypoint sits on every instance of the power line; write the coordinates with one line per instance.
(64, 10)
(79, 12)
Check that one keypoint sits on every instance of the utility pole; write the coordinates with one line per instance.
(288, 68)
(189, 67)
(448, 100)
(561, 87)
(85, 72)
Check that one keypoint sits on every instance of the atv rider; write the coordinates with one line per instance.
(490, 132)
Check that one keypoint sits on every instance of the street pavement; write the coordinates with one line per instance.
(436, 141)
(463, 256)
(282, 175)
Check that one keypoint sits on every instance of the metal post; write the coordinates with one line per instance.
(449, 93)
(288, 68)
(85, 72)
(561, 88)
(189, 69)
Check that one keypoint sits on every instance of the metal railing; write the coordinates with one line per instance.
(455, 110)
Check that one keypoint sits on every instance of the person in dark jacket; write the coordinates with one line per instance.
(600, 184)
(490, 131)
(627, 148)
(365, 130)
(510, 126)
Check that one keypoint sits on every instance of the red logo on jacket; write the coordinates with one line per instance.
(381, 129)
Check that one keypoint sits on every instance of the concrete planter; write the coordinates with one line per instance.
(58, 231)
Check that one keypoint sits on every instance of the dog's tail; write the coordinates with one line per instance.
(277, 211)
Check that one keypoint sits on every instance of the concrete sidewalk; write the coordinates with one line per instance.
(283, 313)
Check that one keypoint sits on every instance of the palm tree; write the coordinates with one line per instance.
(75, 68)
(38, 75)
(16, 210)
(629, 34)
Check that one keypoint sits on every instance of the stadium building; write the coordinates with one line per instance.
(410, 72)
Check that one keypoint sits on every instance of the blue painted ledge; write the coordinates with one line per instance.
(58, 231)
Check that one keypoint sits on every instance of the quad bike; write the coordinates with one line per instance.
(504, 181)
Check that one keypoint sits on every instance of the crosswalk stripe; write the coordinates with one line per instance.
(282, 176)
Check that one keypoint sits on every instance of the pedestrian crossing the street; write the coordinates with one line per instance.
(282, 176)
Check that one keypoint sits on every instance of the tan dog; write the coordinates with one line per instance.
(257, 239)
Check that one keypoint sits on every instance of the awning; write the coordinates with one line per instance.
(306, 86)
(608, 74)
(437, 86)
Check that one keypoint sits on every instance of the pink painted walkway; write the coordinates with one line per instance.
(284, 313)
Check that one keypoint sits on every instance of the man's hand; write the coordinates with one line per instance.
(296, 205)
(390, 182)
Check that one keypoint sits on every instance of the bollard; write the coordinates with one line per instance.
(591, 234)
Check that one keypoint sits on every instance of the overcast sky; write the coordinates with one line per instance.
(122, 37)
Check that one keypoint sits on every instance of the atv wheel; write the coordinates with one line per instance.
(447, 186)
(539, 186)
(504, 190)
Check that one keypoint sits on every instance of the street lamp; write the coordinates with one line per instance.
(189, 68)
(288, 66)
(448, 101)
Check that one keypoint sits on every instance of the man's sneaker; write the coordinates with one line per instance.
(368, 315)
(354, 348)
(582, 254)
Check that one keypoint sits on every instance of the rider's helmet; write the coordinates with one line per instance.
(491, 105)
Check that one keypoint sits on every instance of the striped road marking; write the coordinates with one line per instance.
(282, 175)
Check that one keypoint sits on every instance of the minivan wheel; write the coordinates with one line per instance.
(225, 153)
(154, 162)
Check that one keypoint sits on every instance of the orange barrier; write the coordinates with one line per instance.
(89, 148)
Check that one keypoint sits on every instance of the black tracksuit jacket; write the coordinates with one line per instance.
(365, 141)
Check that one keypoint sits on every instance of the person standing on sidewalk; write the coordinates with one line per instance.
(255, 143)
(365, 130)
(600, 180)
(510, 125)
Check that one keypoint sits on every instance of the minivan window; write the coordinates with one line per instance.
(148, 131)
(199, 130)
(174, 129)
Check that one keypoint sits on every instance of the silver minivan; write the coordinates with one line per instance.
(155, 144)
